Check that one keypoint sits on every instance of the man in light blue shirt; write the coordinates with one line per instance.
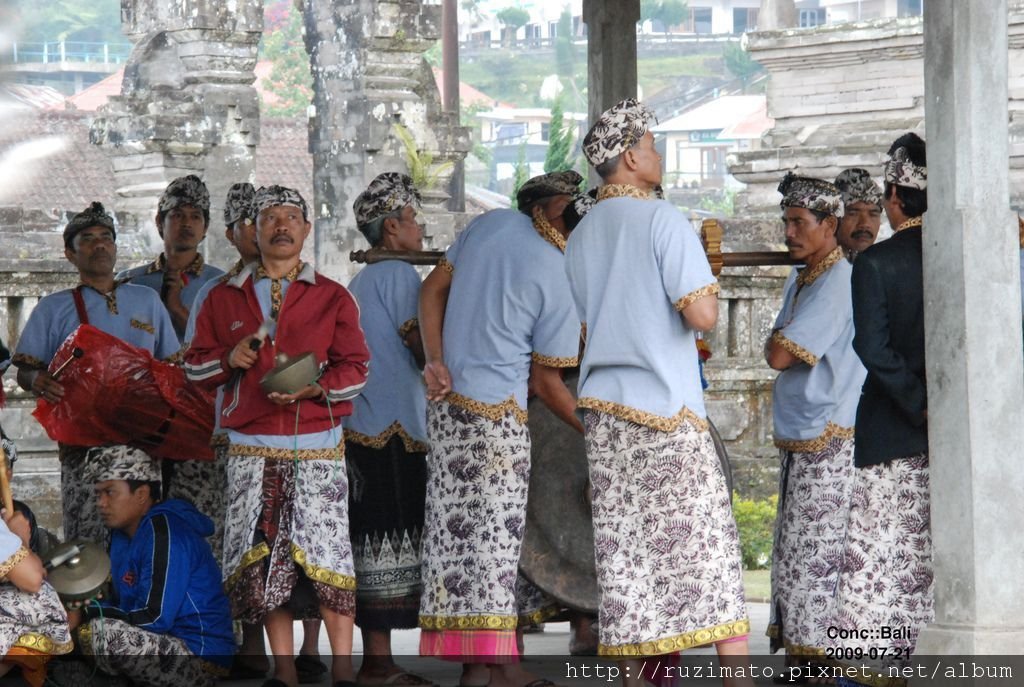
(178, 273)
(131, 313)
(502, 297)
(814, 404)
(667, 548)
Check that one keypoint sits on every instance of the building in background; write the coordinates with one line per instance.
(696, 143)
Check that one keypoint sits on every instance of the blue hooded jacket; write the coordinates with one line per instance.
(165, 580)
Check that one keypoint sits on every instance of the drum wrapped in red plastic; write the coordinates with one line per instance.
(117, 393)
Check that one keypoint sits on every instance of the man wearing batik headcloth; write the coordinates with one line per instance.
(131, 313)
(287, 550)
(668, 559)
(178, 273)
(501, 299)
(166, 621)
(33, 623)
(862, 211)
(886, 579)
(386, 435)
(814, 402)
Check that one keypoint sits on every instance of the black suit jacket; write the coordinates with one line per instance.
(888, 314)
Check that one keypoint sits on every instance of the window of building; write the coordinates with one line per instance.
(744, 19)
(908, 8)
(813, 17)
(700, 19)
(511, 130)
(545, 131)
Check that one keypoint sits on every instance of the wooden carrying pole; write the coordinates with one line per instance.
(711, 237)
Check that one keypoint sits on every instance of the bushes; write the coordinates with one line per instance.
(756, 523)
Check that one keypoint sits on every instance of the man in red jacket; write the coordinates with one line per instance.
(287, 552)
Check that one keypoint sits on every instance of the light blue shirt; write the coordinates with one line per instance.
(152, 276)
(9, 542)
(817, 319)
(508, 304)
(388, 295)
(141, 320)
(633, 265)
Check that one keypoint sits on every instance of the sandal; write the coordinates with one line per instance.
(310, 669)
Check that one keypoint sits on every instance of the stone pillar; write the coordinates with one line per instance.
(776, 14)
(973, 335)
(369, 74)
(187, 106)
(611, 52)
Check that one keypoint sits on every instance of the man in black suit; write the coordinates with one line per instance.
(886, 576)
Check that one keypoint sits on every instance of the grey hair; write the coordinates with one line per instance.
(374, 229)
(609, 166)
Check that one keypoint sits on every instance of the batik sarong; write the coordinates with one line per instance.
(145, 658)
(885, 584)
(478, 472)
(202, 483)
(33, 629)
(286, 534)
(81, 515)
(665, 541)
(810, 533)
(386, 502)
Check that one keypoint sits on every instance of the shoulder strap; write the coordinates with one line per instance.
(83, 316)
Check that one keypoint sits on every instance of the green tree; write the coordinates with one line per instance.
(669, 12)
(290, 79)
(566, 58)
(522, 174)
(71, 20)
(560, 141)
(513, 19)
(739, 62)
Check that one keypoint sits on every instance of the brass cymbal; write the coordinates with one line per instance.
(78, 570)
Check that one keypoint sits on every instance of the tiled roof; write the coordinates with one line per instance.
(51, 165)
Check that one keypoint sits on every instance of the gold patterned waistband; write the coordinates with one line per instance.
(819, 443)
(313, 572)
(687, 640)
(468, 622)
(491, 411)
(642, 417)
(269, 453)
(44, 644)
(381, 440)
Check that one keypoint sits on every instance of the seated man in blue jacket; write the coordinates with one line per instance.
(167, 621)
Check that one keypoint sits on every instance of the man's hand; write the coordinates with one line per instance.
(170, 293)
(439, 381)
(18, 524)
(313, 391)
(45, 386)
(242, 356)
(74, 618)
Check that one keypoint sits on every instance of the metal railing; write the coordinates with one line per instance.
(68, 51)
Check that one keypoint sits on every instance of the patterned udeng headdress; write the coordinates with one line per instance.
(857, 186)
(617, 130)
(901, 171)
(814, 194)
(388, 192)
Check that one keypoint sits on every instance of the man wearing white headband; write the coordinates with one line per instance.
(814, 401)
(886, 580)
(166, 621)
(668, 558)
(287, 551)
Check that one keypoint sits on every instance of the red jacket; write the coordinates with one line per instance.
(317, 315)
